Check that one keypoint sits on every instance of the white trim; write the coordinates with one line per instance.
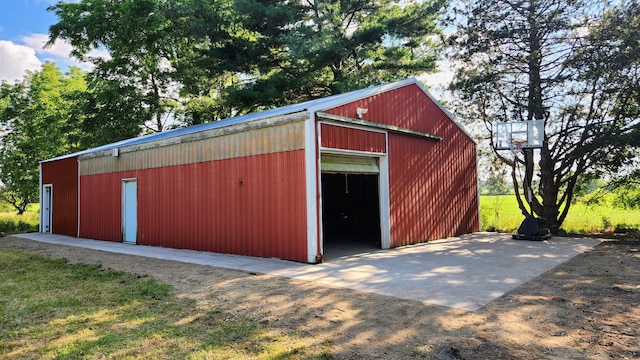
(311, 171)
(319, 197)
(374, 125)
(351, 126)
(49, 212)
(350, 152)
(123, 214)
(385, 208)
(383, 192)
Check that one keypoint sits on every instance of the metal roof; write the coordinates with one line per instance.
(311, 106)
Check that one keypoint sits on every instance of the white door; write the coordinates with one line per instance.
(129, 210)
(47, 192)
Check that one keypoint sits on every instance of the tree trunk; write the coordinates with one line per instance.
(548, 190)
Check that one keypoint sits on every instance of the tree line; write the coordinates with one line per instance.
(172, 63)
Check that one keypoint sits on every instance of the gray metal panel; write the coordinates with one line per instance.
(332, 163)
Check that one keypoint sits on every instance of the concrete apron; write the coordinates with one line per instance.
(465, 272)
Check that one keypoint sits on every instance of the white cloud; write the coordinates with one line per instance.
(15, 60)
(60, 51)
(37, 42)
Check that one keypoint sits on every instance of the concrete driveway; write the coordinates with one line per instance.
(465, 272)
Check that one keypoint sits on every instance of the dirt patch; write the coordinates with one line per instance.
(586, 308)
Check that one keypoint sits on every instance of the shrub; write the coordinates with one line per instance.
(626, 229)
(11, 223)
(7, 226)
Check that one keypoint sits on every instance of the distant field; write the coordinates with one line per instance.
(501, 212)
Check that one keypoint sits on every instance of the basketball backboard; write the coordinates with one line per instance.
(528, 134)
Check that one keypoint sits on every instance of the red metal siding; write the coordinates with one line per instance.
(63, 174)
(340, 137)
(433, 188)
(406, 107)
(252, 205)
(100, 206)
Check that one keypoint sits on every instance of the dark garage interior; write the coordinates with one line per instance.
(350, 213)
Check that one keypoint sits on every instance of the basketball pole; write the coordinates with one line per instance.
(528, 176)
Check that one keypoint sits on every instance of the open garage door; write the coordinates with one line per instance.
(350, 205)
(330, 163)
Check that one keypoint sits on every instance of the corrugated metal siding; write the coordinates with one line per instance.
(405, 107)
(433, 185)
(433, 188)
(340, 137)
(63, 174)
(253, 205)
(258, 141)
(100, 206)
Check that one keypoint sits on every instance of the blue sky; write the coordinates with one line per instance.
(24, 27)
(19, 18)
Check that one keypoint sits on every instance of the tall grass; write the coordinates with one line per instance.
(11, 223)
(501, 213)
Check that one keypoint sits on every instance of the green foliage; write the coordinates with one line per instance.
(320, 48)
(230, 57)
(37, 114)
(50, 309)
(627, 190)
(136, 85)
(628, 196)
(110, 111)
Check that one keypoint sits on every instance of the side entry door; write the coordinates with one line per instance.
(47, 197)
(129, 210)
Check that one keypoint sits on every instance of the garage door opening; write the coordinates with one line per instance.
(350, 213)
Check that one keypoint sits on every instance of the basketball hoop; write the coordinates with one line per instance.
(518, 135)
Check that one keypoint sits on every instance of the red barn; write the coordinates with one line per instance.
(386, 166)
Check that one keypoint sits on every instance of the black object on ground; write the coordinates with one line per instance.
(534, 229)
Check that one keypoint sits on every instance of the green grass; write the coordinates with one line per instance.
(54, 310)
(501, 212)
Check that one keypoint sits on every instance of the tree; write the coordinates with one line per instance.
(109, 111)
(291, 52)
(134, 32)
(524, 60)
(227, 57)
(36, 114)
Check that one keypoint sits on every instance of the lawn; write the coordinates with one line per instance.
(501, 212)
(55, 310)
